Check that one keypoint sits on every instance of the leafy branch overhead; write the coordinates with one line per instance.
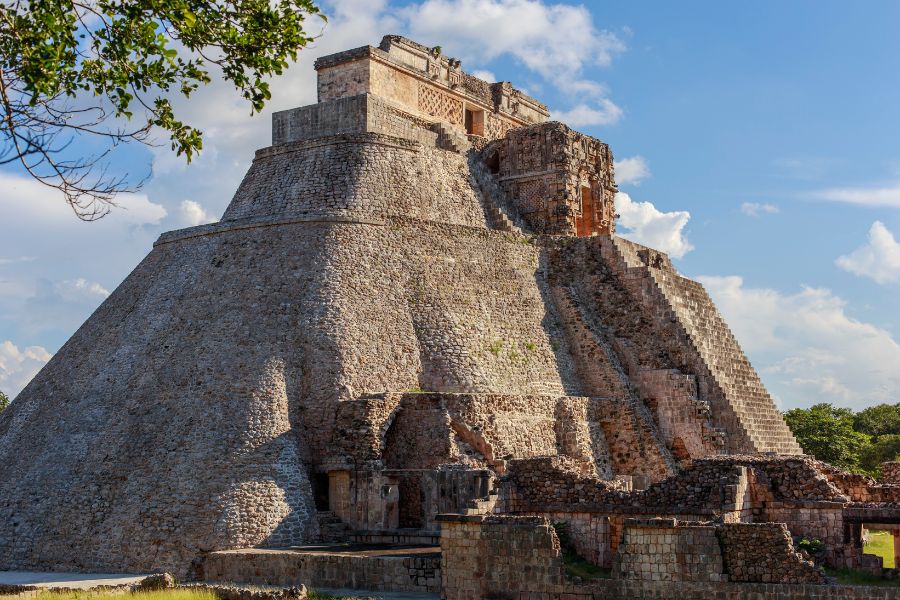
(105, 71)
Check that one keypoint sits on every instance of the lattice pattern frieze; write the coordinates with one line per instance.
(442, 106)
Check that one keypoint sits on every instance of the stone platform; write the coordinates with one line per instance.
(75, 581)
(374, 567)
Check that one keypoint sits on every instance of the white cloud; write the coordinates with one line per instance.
(805, 346)
(756, 209)
(883, 197)
(878, 259)
(631, 171)
(555, 40)
(484, 75)
(17, 259)
(647, 225)
(192, 213)
(582, 115)
(60, 305)
(30, 200)
(75, 290)
(17, 367)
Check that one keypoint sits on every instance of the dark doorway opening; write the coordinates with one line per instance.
(320, 490)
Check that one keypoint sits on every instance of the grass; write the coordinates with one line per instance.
(881, 543)
(178, 594)
(578, 567)
(574, 564)
(853, 577)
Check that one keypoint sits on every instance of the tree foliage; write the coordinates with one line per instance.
(878, 420)
(108, 69)
(857, 442)
(4, 401)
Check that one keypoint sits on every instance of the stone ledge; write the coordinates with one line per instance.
(370, 137)
(253, 222)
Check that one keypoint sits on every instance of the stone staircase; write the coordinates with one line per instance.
(450, 138)
(331, 528)
(749, 413)
(498, 209)
(482, 506)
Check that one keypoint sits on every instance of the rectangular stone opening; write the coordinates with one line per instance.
(584, 224)
(320, 491)
(474, 121)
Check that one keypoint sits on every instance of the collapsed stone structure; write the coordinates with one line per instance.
(414, 305)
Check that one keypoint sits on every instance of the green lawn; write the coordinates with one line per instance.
(179, 594)
(853, 577)
(881, 543)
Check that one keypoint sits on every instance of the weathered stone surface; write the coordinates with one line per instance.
(378, 328)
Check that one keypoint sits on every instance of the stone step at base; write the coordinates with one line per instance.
(359, 567)
(420, 537)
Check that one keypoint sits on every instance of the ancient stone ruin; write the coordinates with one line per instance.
(415, 325)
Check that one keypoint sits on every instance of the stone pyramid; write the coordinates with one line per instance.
(417, 282)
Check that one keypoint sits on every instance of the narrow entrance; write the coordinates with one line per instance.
(584, 225)
(474, 121)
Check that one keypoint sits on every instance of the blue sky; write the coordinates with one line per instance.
(759, 144)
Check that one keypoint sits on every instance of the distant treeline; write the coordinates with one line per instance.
(857, 442)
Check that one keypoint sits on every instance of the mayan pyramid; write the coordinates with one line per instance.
(416, 282)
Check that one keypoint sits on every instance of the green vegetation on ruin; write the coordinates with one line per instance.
(175, 594)
(575, 564)
(858, 442)
(854, 577)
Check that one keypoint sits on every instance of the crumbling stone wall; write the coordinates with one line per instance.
(661, 320)
(498, 556)
(764, 552)
(520, 558)
(665, 550)
(890, 472)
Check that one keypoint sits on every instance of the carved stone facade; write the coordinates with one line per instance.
(427, 84)
(558, 180)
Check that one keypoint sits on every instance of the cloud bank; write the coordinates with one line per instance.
(645, 224)
(805, 346)
(878, 259)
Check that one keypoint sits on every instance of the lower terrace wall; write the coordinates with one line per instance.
(325, 569)
(498, 557)
(520, 558)
(764, 552)
(658, 550)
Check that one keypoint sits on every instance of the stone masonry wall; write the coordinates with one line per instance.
(362, 176)
(558, 180)
(477, 562)
(300, 316)
(658, 550)
(412, 573)
(486, 557)
(363, 113)
(764, 552)
(890, 472)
